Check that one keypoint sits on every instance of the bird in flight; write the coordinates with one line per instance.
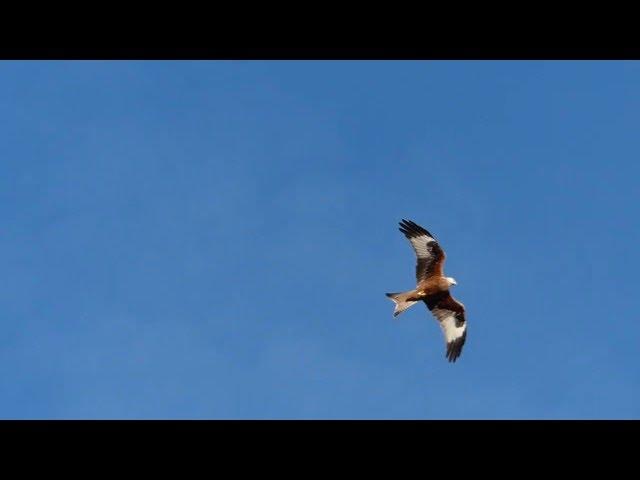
(433, 289)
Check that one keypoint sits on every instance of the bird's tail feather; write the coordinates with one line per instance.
(401, 301)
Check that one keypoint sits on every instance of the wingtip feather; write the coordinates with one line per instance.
(454, 348)
(412, 229)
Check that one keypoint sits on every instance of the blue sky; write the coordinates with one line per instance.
(214, 239)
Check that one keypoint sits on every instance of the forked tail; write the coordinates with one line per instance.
(400, 299)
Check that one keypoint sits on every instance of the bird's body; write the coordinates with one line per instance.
(433, 285)
(433, 289)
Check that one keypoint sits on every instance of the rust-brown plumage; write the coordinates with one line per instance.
(432, 287)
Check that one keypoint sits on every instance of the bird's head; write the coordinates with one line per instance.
(452, 281)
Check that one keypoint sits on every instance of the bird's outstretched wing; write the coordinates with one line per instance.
(430, 256)
(450, 314)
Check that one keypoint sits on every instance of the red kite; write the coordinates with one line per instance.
(433, 289)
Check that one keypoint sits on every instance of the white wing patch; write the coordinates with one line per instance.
(420, 246)
(447, 322)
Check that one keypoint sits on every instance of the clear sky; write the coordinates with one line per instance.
(214, 239)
